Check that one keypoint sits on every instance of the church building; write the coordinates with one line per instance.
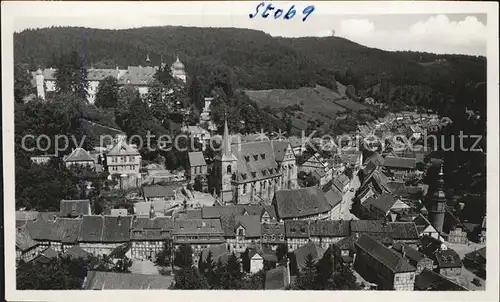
(252, 172)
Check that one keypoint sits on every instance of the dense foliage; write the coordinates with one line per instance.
(256, 60)
(65, 272)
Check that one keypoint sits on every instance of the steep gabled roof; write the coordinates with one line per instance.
(383, 255)
(196, 159)
(23, 239)
(74, 207)
(329, 228)
(448, 259)
(431, 281)
(251, 223)
(255, 161)
(302, 252)
(301, 202)
(122, 148)
(78, 155)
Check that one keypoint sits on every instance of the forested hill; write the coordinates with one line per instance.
(255, 60)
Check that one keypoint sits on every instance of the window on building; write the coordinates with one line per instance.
(247, 158)
(273, 237)
(241, 232)
(132, 158)
(228, 171)
(264, 185)
(282, 237)
(263, 156)
(255, 157)
(244, 188)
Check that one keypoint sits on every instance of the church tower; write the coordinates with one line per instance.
(178, 70)
(438, 207)
(225, 167)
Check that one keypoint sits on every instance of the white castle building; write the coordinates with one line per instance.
(137, 76)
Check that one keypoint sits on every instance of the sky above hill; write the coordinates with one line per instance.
(380, 27)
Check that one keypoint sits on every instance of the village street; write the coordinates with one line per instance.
(346, 206)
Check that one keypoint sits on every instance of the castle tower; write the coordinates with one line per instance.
(40, 85)
(225, 167)
(178, 71)
(438, 207)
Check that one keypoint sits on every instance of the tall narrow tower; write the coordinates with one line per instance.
(438, 208)
(225, 167)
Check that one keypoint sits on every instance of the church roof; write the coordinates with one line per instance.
(255, 161)
(79, 154)
(177, 64)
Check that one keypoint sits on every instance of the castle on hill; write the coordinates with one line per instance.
(139, 77)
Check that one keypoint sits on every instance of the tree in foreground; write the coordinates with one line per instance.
(306, 278)
(107, 93)
(184, 256)
(164, 257)
(189, 278)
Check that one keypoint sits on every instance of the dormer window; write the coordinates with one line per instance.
(263, 156)
(303, 230)
(247, 158)
(270, 171)
(253, 174)
(264, 172)
(256, 157)
(273, 237)
(282, 237)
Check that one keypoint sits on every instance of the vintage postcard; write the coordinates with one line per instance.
(304, 150)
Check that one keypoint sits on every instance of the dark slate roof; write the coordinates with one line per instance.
(159, 191)
(23, 239)
(74, 207)
(329, 228)
(110, 280)
(333, 196)
(219, 251)
(196, 159)
(400, 162)
(218, 211)
(262, 168)
(276, 278)
(297, 228)
(198, 226)
(448, 258)
(404, 230)
(61, 230)
(76, 252)
(105, 229)
(370, 226)
(251, 223)
(101, 74)
(375, 159)
(158, 228)
(431, 281)
(384, 255)
(116, 228)
(301, 202)
(410, 252)
(310, 248)
(276, 229)
(346, 243)
(280, 148)
(383, 202)
(193, 214)
(79, 154)
(47, 255)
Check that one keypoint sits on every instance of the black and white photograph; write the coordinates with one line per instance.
(317, 149)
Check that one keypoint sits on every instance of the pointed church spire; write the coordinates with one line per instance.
(226, 140)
